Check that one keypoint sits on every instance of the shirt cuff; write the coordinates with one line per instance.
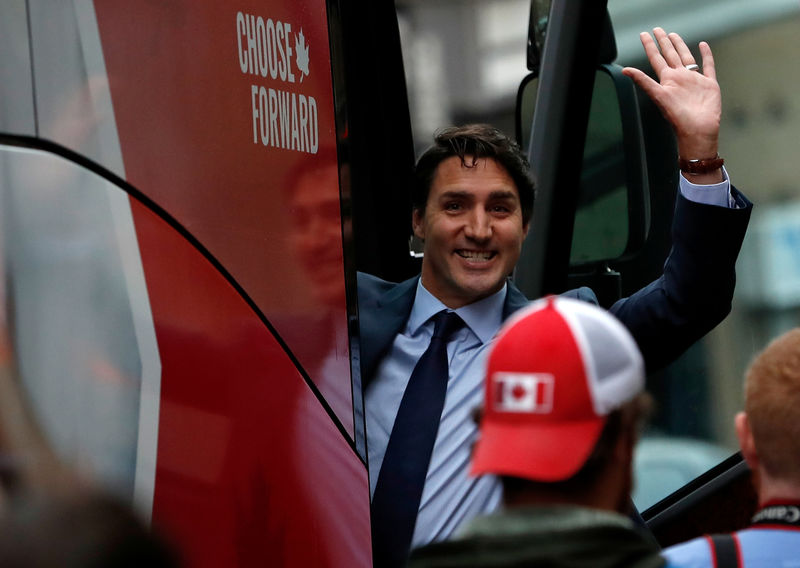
(718, 194)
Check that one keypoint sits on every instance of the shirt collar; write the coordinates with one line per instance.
(483, 317)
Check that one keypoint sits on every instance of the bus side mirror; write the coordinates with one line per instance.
(613, 212)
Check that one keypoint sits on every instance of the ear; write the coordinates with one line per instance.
(525, 228)
(418, 223)
(746, 442)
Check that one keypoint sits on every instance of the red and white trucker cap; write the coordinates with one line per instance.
(556, 370)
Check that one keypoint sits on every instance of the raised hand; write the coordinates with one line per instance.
(687, 94)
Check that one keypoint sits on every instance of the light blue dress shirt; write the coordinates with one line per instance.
(451, 496)
(715, 194)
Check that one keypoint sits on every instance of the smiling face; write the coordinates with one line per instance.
(473, 231)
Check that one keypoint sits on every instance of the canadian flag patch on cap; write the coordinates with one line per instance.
(523, 392)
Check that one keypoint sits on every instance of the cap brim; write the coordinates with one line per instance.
(542, 452)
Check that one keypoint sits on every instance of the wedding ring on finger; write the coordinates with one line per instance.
(693, 67)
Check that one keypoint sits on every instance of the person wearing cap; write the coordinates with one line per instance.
(768, 436)
(563, 403)
(472, 201)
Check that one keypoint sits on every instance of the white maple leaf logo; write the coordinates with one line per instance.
(301, 49)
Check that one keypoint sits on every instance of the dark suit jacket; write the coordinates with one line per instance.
(690, 298)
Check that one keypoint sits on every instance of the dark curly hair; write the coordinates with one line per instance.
(472, 142)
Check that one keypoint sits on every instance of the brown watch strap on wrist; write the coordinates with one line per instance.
(705, 166)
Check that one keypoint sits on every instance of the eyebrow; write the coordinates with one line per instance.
(503, 194)
(497, 194)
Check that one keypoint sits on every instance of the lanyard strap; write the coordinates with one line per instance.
(778, 514)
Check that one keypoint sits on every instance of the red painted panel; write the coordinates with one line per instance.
(225, 117)
(251, 471)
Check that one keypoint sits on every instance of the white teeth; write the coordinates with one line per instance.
(475, 255)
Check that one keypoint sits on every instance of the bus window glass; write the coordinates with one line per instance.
(601, 222)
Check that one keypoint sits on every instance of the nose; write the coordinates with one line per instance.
(478, 226)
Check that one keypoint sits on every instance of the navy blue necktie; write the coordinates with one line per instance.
(402, 476)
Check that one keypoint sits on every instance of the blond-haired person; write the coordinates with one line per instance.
(769, 436)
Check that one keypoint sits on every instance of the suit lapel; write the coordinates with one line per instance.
(515, 300)
(381, 322)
